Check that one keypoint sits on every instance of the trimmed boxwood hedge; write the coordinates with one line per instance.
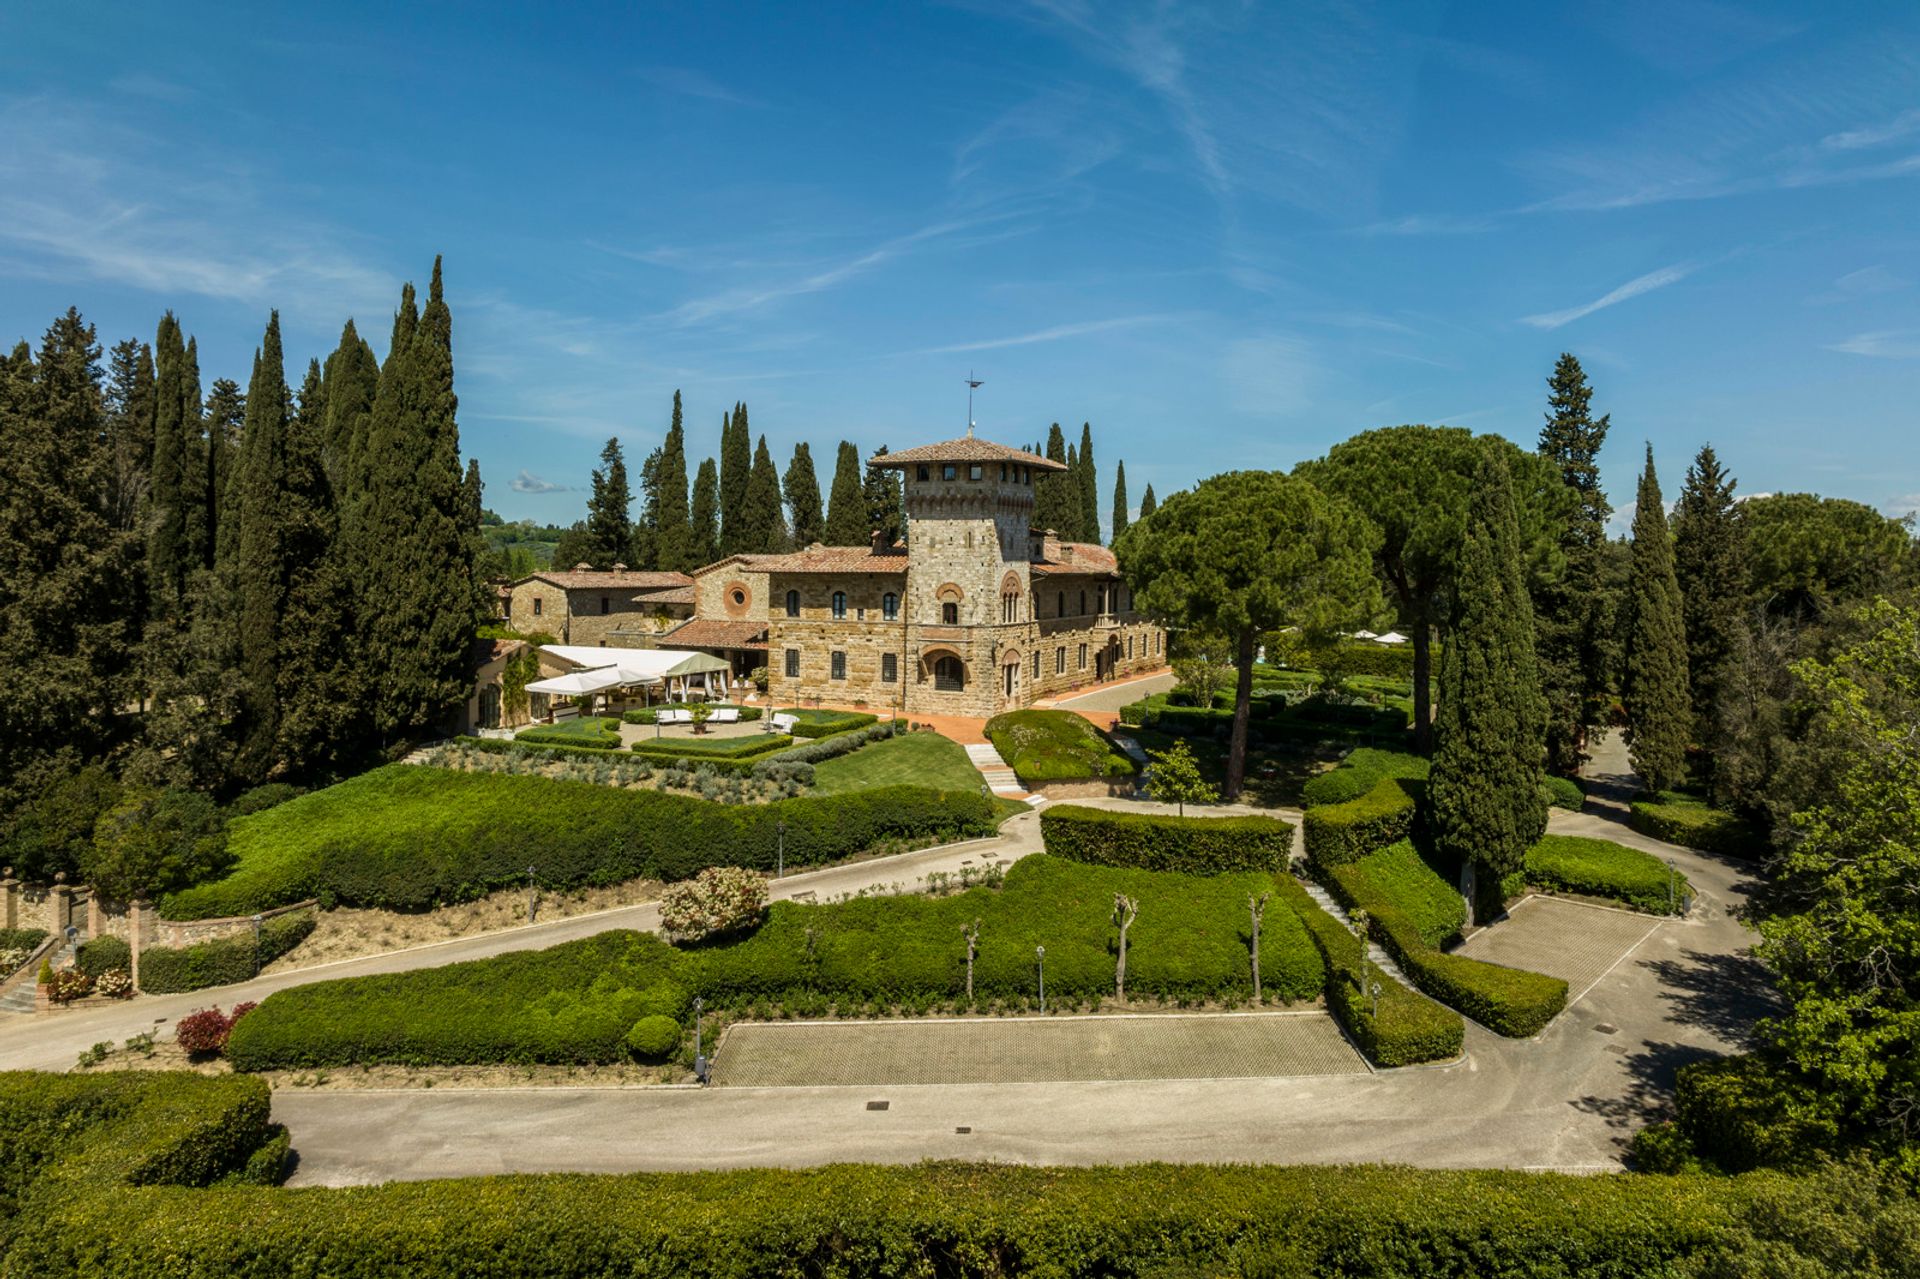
(574, 1003)
(819, 723)
(1688, 822)
(1151, 841)
(107, 1170)
(1509, 1001)
(649, 714)
(169, 970)
(588, 733)
(1602, 868)
(1362, 770)
(1564, 792)
(1408, 1029)
(406, 837)
(103, 954)
(1055, 746)
(705, 748)
(1431, 903)
(1336, 834)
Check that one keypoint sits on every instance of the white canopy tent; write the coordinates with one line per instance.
(577, 683)
(677, 672)
(1391, 637)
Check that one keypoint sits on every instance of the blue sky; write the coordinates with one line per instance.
(1229, 235)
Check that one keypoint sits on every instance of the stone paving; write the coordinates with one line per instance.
(1032, 1050)
(1565, 939)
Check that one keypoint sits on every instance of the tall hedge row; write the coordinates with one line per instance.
(1337, 834)
(122, 1199)
(406, 837)
(1151, 841)
(1683, 820)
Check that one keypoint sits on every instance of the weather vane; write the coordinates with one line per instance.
(973, 384)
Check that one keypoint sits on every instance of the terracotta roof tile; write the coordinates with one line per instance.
(964, 449)
(1085, 558)
(607, 579)
(672, 595)
(839, 559)
(714, 632)
(746, 563)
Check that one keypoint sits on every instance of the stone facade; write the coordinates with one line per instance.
(975, 615)
(612, 609)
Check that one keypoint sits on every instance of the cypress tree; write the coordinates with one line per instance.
(202, 477)
(1056, 498)
(885, 506)
(1484, 794)
(1709, 561)
(1089, 489)
(847, 504)
(802, 488)
(1575, 611)
(608, 525)
(1147, 503)
(1119, 501)
(705, 516)
(736, 467)
(762, 524)
(166, 537)
(667, 502)
(351, 379)
(128, 407)
(226, 420)
(259, 564)
(1655, 694)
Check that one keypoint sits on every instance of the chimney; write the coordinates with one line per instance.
(618, 567)
(873, 540)
(583, 567)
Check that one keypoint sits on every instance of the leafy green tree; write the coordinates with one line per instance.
(1807, 554)
(762, 526)
(1204, 665)
(49, 832)
(1484, 797)
(1842, 940)
(166, 538)
(885, 502)
(802, 488)
(1574, 615)
(1655, 689)
(1119, 499)
(1147, 504)
(1249, 552)
(704, 533)
(153, 841)
(609, 522)
(1056, 494)
(1709, 563)
(575, 546)
(847, 503)
(1175, 777)
(259, 570)
(1089, 489)
(1844, 1218)
(736, 472)
(1415, 484)
(666, 516)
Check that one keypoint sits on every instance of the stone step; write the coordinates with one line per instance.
(1378, 957)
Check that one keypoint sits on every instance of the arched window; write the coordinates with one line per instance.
(949, 676)
(793, 603)
(890, 606)
(950, 613)
(839, 604)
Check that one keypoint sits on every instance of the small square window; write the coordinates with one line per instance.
(889, 668)
(949, 471)
(839, 665)
(975, 472)
(793, 663)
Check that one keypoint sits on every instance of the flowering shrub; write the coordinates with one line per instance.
(718, 900)
(12, 957)
(68, 985)
(206, 1031)
(117, 982)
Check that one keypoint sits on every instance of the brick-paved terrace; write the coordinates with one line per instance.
(1565, 939)
(1034, 1049)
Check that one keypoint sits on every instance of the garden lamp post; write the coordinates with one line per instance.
(699, 1057)
(780, 850)
(1040, 955)
(1375, 992)
(530, 905)
(256, 945)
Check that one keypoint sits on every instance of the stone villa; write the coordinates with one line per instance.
(976, 613)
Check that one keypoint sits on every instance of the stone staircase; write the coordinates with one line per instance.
(20, 998)
(1375, 955)
(1000, 778)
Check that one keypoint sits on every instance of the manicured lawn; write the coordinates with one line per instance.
(1048, 746)
(912, 759)
(1602, 868)
(1401, 875)
(588, 730)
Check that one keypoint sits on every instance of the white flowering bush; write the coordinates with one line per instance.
(720, 899)
(11, 958)
(117, 982)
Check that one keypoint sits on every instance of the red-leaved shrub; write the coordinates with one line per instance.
(203, 1032)
(241, 1009)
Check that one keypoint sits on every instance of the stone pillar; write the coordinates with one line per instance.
(9, 899)
(59, 905)
(139, 933)
(95, 919)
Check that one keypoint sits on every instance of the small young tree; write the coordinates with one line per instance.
(1203, 669)
(971, 932)
(701, 713)
(1256, 908)
(1176, 779)
(1125, 911)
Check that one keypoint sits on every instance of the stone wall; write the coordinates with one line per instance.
(718, 594)
(574, 616)
(551, 616)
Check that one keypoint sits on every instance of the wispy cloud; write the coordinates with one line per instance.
(1885, 344)
(1866, 282)
(528, 482)
(1904, 506)
(1271, 375)
(1906, 124)
(688, 82)
(1631, 289)
(1428, 224)
(140, 84)
(1054, 334)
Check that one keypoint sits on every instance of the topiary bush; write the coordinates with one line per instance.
(1150, 841)
(587, 731)
(1601, 868)
(717, 901)
(1052, 746)
(1688, 821)
(1362, 770)
(1564, 792)
(168, 970)
(819, 723)
(1336, 834)
(653, 1037)
(101, 955)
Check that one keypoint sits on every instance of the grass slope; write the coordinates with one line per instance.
(1051, 746)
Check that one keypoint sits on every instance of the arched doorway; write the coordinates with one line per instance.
(949, 674)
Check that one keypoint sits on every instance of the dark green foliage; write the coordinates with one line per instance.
(1056, 494)
(1601, 868)
(103, 954)
(1745, 1112)
(261, 798)
(1151, 841)
(1119, 501)
(1688, 821)
(352, 379)
(763, 528)
(846, 505)
(736, 467)
(1484, 800)
(166, 522)
(666, 520)
(1806, 554)
(258, 571)
(1399, 1027)
(653, 1037)
(1574, 612)
(1564, 792)
(206, 484)
(1431, 905)
(609, 511)
(584, 731)
(1339, 833)
(1659, 720)
(129, 407)
(155, 840)
(699, 748)
(1851, 1219)
(802, 490)
(809, 722)
(1089, 489)
(1148, 504)
(53, 829)
(704, 519)
(1360, 772)
(1051, 746)
(576, 1002)
(885, 500)
(407, 837)
(166, 970)
(1508, 1001)
(1709, 562)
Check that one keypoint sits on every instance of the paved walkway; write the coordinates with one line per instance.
(1102, 705)
(1574, 941)
(986, 1050)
